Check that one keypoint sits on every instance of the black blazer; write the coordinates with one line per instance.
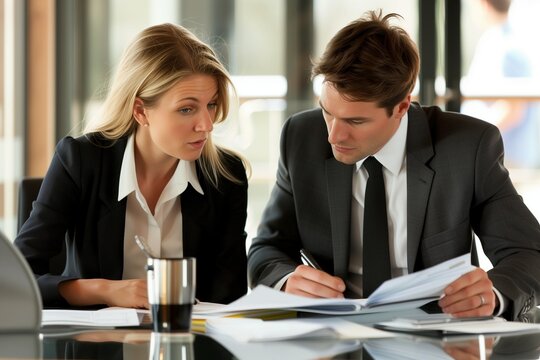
(78, 201)
(456, 184)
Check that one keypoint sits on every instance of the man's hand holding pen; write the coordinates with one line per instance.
(311, 281)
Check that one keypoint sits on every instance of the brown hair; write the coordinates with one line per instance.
(501, 6)
(371, 60)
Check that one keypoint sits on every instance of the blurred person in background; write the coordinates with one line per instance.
(502, 54)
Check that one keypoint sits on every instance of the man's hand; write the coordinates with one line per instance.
(310, 282)
(470, 295)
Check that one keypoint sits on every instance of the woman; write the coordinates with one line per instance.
(148, 168)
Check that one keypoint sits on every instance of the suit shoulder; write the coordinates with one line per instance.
(88, 142)
(307, 117)
(459, 127)
(451, 119)
(309, 123)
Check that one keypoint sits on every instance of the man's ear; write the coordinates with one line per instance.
(139, 112)
(403, 106)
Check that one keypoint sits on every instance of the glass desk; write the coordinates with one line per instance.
(134, 344)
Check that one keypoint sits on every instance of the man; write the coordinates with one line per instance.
(443, 174)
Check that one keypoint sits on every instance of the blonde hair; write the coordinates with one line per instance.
(156, 60)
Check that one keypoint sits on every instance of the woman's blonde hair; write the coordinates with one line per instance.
(156, 60)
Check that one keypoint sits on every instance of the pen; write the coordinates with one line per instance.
(308, 259)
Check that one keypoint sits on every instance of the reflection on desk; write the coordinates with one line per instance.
(134, 344)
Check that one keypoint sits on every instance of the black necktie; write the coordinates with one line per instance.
(376, 257)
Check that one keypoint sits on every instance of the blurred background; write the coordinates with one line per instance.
(56, 56)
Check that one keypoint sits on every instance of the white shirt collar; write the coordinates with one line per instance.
(392, 153)
(185, 173)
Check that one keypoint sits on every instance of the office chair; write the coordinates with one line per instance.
(28, 192)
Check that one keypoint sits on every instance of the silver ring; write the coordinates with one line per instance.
(482, 300)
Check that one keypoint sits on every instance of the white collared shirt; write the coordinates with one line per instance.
(394, 161)
(163, 230)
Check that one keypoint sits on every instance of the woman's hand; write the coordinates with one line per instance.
(124, 293)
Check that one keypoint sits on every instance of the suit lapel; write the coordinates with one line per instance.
(195, 218)
(419, 179)
(339, 182)
(112, 221)
(196, 214)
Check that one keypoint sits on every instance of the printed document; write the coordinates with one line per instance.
(107, 317)
(255, 330)
(401, 293)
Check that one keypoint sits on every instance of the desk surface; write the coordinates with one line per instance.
(134, 344)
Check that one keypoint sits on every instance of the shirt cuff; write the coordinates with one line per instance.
(281, 282)
(503, 303)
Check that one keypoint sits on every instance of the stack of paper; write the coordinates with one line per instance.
(107, 317)
(199, 321)
(494, 325)
(406, 292)
(299, 349)
(403, 348)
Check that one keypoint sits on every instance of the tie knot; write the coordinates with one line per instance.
(372, 165)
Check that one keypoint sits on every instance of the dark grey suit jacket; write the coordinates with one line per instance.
(79, 196)
(456, 184)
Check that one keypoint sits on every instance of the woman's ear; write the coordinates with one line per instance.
(139, 112)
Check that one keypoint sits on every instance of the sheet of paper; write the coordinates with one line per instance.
(263, 297)
(402, 293)
(491, 326)
(421, 284)
(298, 349)
(104, 317)
(404, 349)
(254, 330)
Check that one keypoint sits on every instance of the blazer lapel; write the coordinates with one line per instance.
(419, 179)
(339, 182)
(195, 217)
(113, 214)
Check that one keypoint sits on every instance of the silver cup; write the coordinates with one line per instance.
(171, 293)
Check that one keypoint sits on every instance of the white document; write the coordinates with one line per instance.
(426, 283)
(495, 325)
(254, 330)
(299, 349)
(107, 317)
(402, 293)
(403, 348)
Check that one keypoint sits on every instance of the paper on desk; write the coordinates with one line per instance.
(107, 317)
(299, 349)
(403, 348)
(254, 330)
(491, 326)
(402, 293)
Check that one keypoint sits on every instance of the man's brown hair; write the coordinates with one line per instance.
(371, 60)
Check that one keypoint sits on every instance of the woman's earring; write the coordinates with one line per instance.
(145, 125)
